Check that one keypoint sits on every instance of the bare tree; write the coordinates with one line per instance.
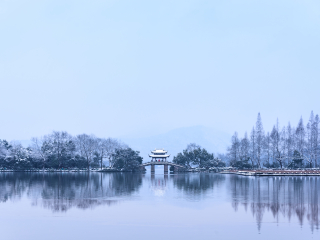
(245, 147)
(62, 145)
(87, 146)
(281, 158)
(233, 151)
(58, 146)
(106, 147)
(40, 149)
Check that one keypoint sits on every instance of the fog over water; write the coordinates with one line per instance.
(162, 206)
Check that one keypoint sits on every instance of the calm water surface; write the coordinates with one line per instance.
(141, 206)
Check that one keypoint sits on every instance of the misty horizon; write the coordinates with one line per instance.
(120, 68)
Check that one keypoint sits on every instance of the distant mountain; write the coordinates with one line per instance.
(176, 140)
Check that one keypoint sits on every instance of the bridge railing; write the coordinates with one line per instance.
(162, 163)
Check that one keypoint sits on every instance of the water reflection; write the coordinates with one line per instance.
(159, 184)
(279, 197)
(282, 196)
(61, 192)
(195, 186)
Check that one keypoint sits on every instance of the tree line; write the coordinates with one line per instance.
(196, 156)
(286, 147)
(61, 150)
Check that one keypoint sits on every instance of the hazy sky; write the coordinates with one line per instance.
(116, 68)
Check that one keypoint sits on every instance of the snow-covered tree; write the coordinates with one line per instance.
(253, 147)
(259, 132)
(281, 146)
(289, 143)
(18, 157)
(234, 150)
(316, 139)
(41, 150)
(5, 148)
(87, 147)
(126, 159)
(300, 137)
(275, 142)
(267, 149)
(245, 148)
(106, 147)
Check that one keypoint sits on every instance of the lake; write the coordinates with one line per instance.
(144, 206)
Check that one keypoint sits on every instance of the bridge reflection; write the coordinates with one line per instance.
(280, 197)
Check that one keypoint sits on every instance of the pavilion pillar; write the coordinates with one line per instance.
(152, 168)
(165, 169)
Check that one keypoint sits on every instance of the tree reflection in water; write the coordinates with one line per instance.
(282, 196)
(63, 191)
(288, 197)
(195, 186)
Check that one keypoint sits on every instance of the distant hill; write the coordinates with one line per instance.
(176, 140)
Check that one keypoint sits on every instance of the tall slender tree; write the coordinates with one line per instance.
(267, 149)
(300, 137)
(233, 151)
(283, 147)
(290, 143)
(259, 140)
(245, 148)
(253, 146)
(316, 139)
(275, 141)
(282, 157)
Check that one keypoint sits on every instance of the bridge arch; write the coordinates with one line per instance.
(165, 164)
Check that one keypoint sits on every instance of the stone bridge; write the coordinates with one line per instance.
(177, 167)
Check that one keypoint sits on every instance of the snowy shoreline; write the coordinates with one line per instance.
(274, 172)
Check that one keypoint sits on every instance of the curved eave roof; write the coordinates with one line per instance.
(159, 151)
(159, 156)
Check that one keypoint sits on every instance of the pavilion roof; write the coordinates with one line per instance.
(159, 151)
(159, 156)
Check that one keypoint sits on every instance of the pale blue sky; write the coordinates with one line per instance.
(116, 68)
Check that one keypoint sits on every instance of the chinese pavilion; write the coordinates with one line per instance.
(159, 155)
